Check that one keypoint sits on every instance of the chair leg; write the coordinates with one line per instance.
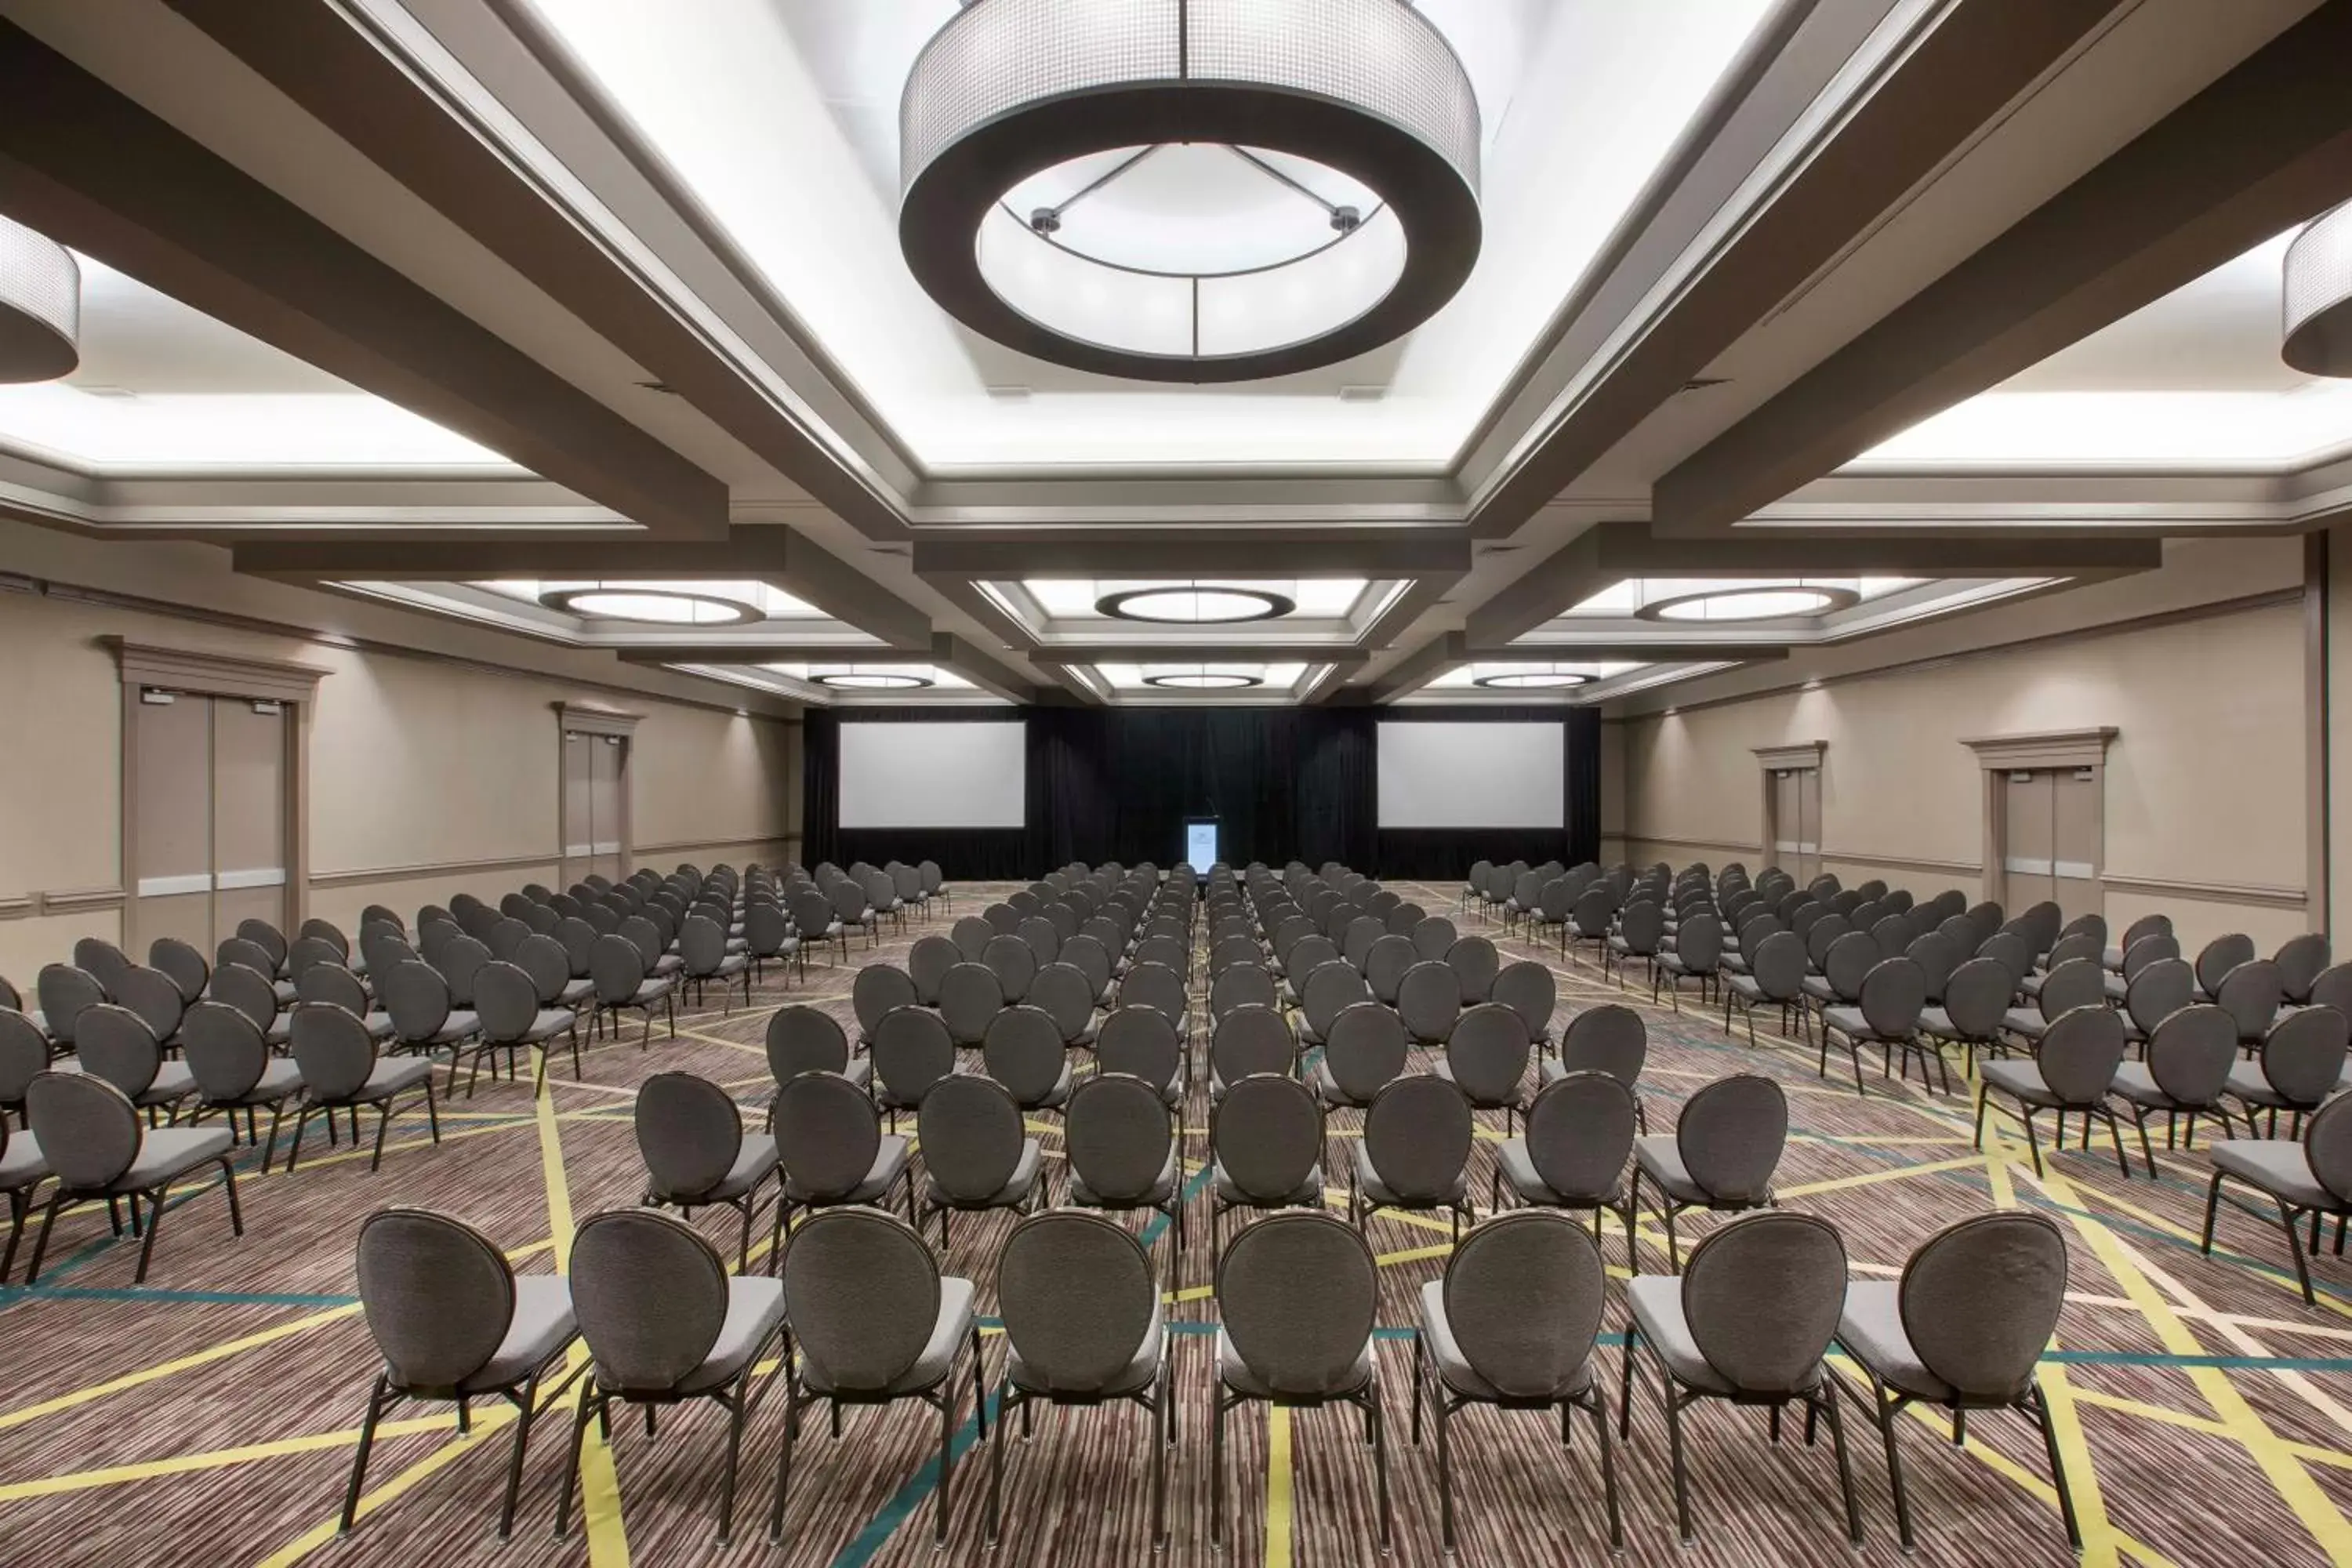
(1675, 1450)
(1625, 1383)
(947, 1458)
(1445, 1472)
(2115, 1134)
(384, 1124)
(155, 1223)
(1829, 1407)
(1381, 1458)
(785, 1454)
(591, 1406)
(376, 1402)
(734, 1456)
(2286, 1222)
(228, 1184)
(525, 1408)
(2040, 1410)
(1217, 1469)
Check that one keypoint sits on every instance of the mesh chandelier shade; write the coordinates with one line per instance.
(41, 306)
(1368, 89)
(2319, 297)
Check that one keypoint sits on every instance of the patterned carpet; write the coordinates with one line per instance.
(209, 1416)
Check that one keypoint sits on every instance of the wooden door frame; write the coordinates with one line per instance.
(1796, 756)
(1998, 756)
(142, 667)
(586, 719)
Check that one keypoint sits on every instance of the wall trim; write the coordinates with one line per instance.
(1669, 839)
(1906, 862)
(432, 869)
(20, 907)
(592, 719)
(2263, 895)
(215, 674)
(1793, 755)
(673, 846)
(79, 900)
(2081, 748)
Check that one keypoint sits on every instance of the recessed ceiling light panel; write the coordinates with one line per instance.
(1189, 190)
(1760, 601)
(646, 603)
(1531, 680)
(1195, 604)
(1203, 680)
(853, 677)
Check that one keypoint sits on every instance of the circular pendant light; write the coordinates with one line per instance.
(648, 604)
(2319, 297)
(1195, 604)
(1534, 678)
(1189, 190)
(1204, 679)
(41, 306)
(1761, 600)
(851, 678)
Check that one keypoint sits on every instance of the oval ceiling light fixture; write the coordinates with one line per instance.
(1762, 599)
(649, 604)
(41, 306)
(2318, 297)
(1195, 604)
(1528, 678)
(1204, 679)
(855, 678)
(1189, 190)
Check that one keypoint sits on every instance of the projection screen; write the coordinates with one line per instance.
(1472, 775)
(933, 775)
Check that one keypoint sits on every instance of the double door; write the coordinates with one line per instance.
(595, 802)
(211, 815)
(2050, 831)
(1795, 831)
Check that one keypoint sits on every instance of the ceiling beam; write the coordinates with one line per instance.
(2267, 145)
(779, 556)
(1932, 102)
(1608, 553)
(351, 83)
(1199, 653)
(91, 169)
(983, 555)
(945, 649)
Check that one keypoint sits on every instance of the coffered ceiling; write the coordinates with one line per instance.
(458, 304)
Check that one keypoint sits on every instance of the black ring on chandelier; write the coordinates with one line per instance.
(1115, 605)
(871, 680)
(1204, 680)
(1834, 600)
(738, 612)
(1531, 681)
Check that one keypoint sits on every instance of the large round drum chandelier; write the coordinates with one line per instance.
(1189, 190)
(41, 306)
(2319, 297)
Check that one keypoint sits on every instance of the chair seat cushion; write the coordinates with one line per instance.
(1454, 1368)
(2136, 1081)
(889, 1163)
(21, 1164)
(379, 1027)
(755, 1310)
(1732, 964)
(2026, 1021)
(1163, 1187)
(575, 992)
(462, 1024)
(285, 992)
(393, 1075)
(2032, 985)
(1520, 1176)
(667, 963)
(549, 1023)
(1235, 1374)
(1133, 1378)
(1309, 1194)
(1657, 1304)
(2247, 1083)
(2022, 1079)
(1870, 1326)
(1937, 1022)
(1847, 1021)
(1661, 1159)
(755, 1160)
(949, 1331)
(173, 1081)
(651, 991)
(278, 1079)
(167, 1152)
(2276, 1166)
(1327, 1087)
(1012, 1195)
(2117, 987)
(1369, 1182)
(543, 1324)
(1818, 987)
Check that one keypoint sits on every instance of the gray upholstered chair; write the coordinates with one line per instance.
(1142, 1042)
(1975, 1006)
(508, 1007)
(691, 1138)
(914, 1049)
(972, 936)
(625, 982)
(1366, 1051)
(1016, 964)
(1120, 1140)
(252, 995)
(115, 1044)
(1721, 1157)
(2251, 993)
(1641, 930)
(1083, 1325)
(703, 942)
(2301, 960)
(1963, 1328)
(1774, 974)
(1514, 1324)
(1251, 1039)
(2077, 983)
(186, 966)
(1697, 950)
(2297, 1066)
(1308, 955)
(1611, 1038)
(1887, 1015)
(666, 1323)
(1023, 1051)
(234, 1070)
(2310, 1175)
(1296, 1296)
(1266, 1147)
(155, 997)
(874, 1322)
(1433, 938)
(1414, 1154)
(22, 1171)
(332, 983)
(1429, 999)
(977, 1154)
(928, 963)
(454, 1323)
(1153, 984)
(1250, 985)
(833, 1147)
(2157, 990)
(2074, 1067)
(1064, 994)
(24, 1054)
(804, 1039)
(423, 1016)
(2184, 1070)
(1385, 962)
(1527, 988)
(767, 935)
(2217, 958)
(65, 991)
(89, 1133)
(1475, 963)
(1486, 1058)
(1094, 957)
(880, 988)
(1750, 1322)
(343, 1070)
(1330, 989)
(971, 995)
(1579, 1136)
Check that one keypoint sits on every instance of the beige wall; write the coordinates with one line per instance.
(1612, 792)
(428, 775)
(2205, 789)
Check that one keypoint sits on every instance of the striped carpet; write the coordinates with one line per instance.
(208, 1417)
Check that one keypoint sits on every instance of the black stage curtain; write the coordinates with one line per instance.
(964, 854)
(1117, 784)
